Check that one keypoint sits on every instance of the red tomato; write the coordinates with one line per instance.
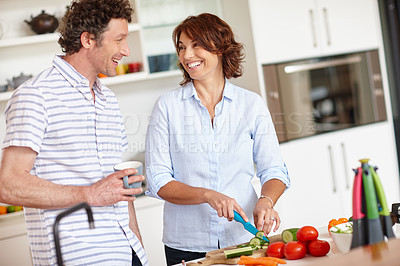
(319, 247)
(306, 245)
(276, 250)
(294, 250)
(307, 233)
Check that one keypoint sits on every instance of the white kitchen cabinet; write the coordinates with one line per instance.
(290, 29)
(149, 213)
(14, 243)
(375, 142)
(321, 170)
(315, 194)
(15, 251)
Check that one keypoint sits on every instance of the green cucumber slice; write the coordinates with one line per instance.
(255, 241)
(237, 252)
(289, 235)
(260, 234)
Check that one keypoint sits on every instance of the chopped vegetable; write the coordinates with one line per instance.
(345, 228)
(260, 234)
(264, 261)
(334, 222)
(289, 235)
(255, 241)
(237, 252)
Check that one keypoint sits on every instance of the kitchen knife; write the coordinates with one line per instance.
(374, 226)
(383, 207)
(247, 225)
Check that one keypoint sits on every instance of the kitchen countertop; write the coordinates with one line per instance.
(13, 226)
(385, 253)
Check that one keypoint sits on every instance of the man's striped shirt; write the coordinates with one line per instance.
(78, 141)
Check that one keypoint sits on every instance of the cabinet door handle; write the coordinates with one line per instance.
(344, 156)
(328, 33)
(311, 13)
(332, 169)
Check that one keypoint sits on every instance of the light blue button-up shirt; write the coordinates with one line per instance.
(183, 145)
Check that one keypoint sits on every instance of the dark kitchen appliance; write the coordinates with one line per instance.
(324, 94)
(67, 212)
(390, 21)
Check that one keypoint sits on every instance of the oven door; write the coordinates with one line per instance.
(324, 94)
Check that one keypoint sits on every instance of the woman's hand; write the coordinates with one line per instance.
(224, 205)
(265, 216)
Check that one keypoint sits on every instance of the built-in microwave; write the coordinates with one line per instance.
(320, 95)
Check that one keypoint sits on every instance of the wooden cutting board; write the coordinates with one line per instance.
(218, 256)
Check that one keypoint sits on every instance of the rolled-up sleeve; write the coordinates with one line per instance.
(159, 168)
(266, 151)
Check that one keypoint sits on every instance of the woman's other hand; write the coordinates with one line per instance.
(265, 217)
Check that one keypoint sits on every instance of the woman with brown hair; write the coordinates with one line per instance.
(202, 143)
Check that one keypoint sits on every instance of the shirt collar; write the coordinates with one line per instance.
(74, 77)
(68, 71)
(190, 91)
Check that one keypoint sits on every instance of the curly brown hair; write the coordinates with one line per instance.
(215, 36)
(90, 16)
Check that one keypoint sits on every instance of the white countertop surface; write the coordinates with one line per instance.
(12, 225)
(333, 253)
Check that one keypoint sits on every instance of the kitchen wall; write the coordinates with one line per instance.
(136, 102)
(136, 98)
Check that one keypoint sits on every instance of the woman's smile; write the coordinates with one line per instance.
(194, 64)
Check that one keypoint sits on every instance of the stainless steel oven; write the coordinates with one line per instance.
(319, 95)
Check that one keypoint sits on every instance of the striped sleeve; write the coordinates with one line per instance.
(26, 119)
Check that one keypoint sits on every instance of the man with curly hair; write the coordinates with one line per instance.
(64, 134)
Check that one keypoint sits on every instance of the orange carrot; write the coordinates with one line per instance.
(253, 265)
(280, 261)
(245, 260)
(265, 263)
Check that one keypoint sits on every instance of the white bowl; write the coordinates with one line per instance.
(342, 240)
